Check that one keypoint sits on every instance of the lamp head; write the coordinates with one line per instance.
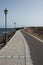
(5, 11)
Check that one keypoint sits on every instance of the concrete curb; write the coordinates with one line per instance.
(28, 59)
(34, 37)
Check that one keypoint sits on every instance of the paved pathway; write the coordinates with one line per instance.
(36, 48)
(16, 52)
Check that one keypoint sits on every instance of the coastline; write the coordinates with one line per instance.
(2, 38)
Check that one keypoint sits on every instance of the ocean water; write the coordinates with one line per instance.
(2, 30)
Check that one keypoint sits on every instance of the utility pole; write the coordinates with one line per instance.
(5, 11)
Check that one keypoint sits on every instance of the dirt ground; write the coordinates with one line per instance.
(36, 31)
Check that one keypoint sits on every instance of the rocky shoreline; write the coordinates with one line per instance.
(3, 38)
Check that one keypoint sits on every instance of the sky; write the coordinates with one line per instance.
(23, 12)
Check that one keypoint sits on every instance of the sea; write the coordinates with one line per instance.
(2, 30)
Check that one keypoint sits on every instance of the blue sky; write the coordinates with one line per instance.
(23, 12)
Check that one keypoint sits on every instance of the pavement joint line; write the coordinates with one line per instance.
(6, 56)
(34, 37)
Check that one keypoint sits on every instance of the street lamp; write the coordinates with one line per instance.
(5, 11)
(14, 24)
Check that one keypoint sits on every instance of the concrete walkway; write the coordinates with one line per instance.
(16, 52)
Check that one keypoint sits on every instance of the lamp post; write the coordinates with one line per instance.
(5, 11)
(14, 24)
